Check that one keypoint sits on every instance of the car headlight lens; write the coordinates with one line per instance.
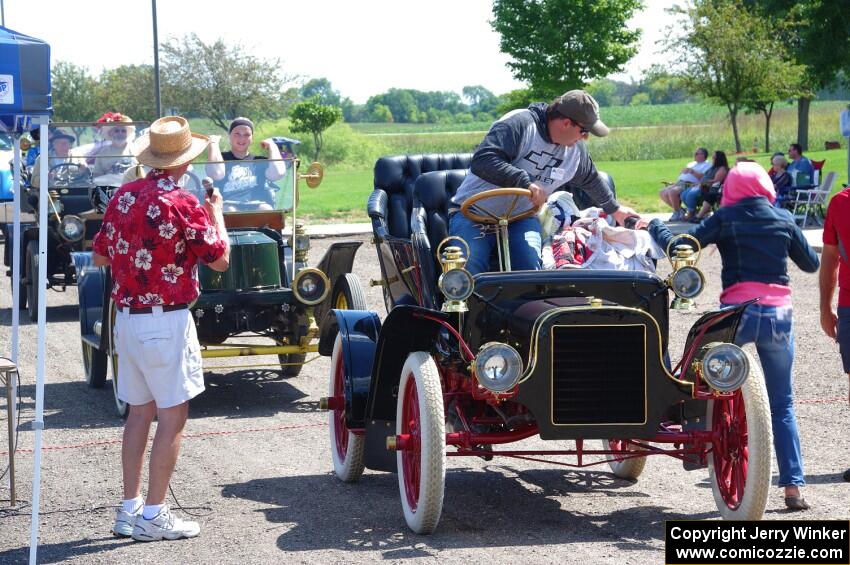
(687, 282)
(456, 284)
(311, 286)
(725, 367)
(72, 228)
(497, 366)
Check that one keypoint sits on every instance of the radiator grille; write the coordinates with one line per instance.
(599, 374)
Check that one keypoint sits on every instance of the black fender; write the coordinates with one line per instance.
(716, 325)
(337, 260)
(404, 331)
(93, 286)
(359, 330)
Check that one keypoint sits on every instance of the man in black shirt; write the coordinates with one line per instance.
(238, 180)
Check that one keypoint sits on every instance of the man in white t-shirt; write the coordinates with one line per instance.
(692, 174)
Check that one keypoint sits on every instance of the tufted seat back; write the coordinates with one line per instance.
(395, 177)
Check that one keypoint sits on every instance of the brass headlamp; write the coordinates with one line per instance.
(686, 281)
(456, 282)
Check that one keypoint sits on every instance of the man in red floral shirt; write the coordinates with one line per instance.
(153, 235)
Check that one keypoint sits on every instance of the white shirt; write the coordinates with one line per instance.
(701, 168)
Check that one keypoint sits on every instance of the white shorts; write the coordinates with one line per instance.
(159, 357)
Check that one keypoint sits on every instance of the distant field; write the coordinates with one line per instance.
(343, 194)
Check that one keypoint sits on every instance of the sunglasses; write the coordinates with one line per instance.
(581, 129)
(119, 130)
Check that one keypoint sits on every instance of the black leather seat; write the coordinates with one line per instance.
(391, 202)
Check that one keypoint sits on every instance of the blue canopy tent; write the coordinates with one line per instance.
(24, 102)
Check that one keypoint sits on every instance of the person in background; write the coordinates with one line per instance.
(781, 180)
(153, 236)
(708, 189)
(755, 241)
(60, 147)
(692, 174)
(240, 182)
(116, 155)
(800, 168)
(835, 270)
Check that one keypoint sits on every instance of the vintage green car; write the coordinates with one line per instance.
(268, 291)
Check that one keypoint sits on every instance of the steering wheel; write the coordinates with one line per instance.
(474, 209)
(66, 174)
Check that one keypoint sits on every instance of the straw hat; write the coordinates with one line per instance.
(169, 144)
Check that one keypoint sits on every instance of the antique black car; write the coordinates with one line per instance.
(268, 291)
(463, 365)
(83, 171)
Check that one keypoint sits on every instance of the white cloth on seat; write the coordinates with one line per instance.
(621, 249)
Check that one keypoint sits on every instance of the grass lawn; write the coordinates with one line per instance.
(343, 193)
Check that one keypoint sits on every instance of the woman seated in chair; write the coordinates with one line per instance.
(782, 181)
(708, 190)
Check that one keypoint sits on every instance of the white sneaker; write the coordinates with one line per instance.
(164, 526)
(125, 522)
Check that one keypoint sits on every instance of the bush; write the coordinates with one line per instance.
(343, 147)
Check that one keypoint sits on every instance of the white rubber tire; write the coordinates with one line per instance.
(348, 467)
(424, 516)
(629, 469)
(759, 446)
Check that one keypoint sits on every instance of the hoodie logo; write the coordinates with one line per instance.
(543, 160)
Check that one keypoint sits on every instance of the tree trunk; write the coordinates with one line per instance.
(317, 140)
(803, 122)
(768, 113)
(733, 117)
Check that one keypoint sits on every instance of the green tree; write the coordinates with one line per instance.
(785, 80)
(380, 113)
(480, 99)
(322, 88)
(74, 93)
(727, 53)
(640, 99)
(312, 117)
(559, 45)
(818, 35)
(220, 81)
(128, 89)
(604, 91)
(519, 98)
(663, 87)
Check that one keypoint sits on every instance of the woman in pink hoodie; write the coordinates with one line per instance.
(756, 240)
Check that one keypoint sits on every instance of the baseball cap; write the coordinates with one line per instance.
(580, 106)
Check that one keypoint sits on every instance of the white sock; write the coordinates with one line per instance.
(152, 510)
(133, 505)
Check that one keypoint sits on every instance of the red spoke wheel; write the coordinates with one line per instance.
(740, 459)
(628, 468)
(346, 447)
(420, 417)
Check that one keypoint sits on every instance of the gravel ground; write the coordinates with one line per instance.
(256, 464)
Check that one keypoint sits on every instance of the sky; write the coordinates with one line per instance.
(363, 48)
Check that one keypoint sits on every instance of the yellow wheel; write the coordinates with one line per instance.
(348, 294)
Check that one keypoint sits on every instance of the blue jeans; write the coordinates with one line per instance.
(771, 329)
(523, 238)
(690, 197)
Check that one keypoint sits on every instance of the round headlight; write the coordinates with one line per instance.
(311, 286)
(72, 228)
(497, 366)
(456, 284)
(725, 367)
(687, 282)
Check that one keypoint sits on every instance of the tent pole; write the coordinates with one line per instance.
(16, 250)
(38, 423)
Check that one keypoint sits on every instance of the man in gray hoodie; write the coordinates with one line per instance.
(540, 148)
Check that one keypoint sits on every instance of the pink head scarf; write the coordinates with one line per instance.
(746, 180)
